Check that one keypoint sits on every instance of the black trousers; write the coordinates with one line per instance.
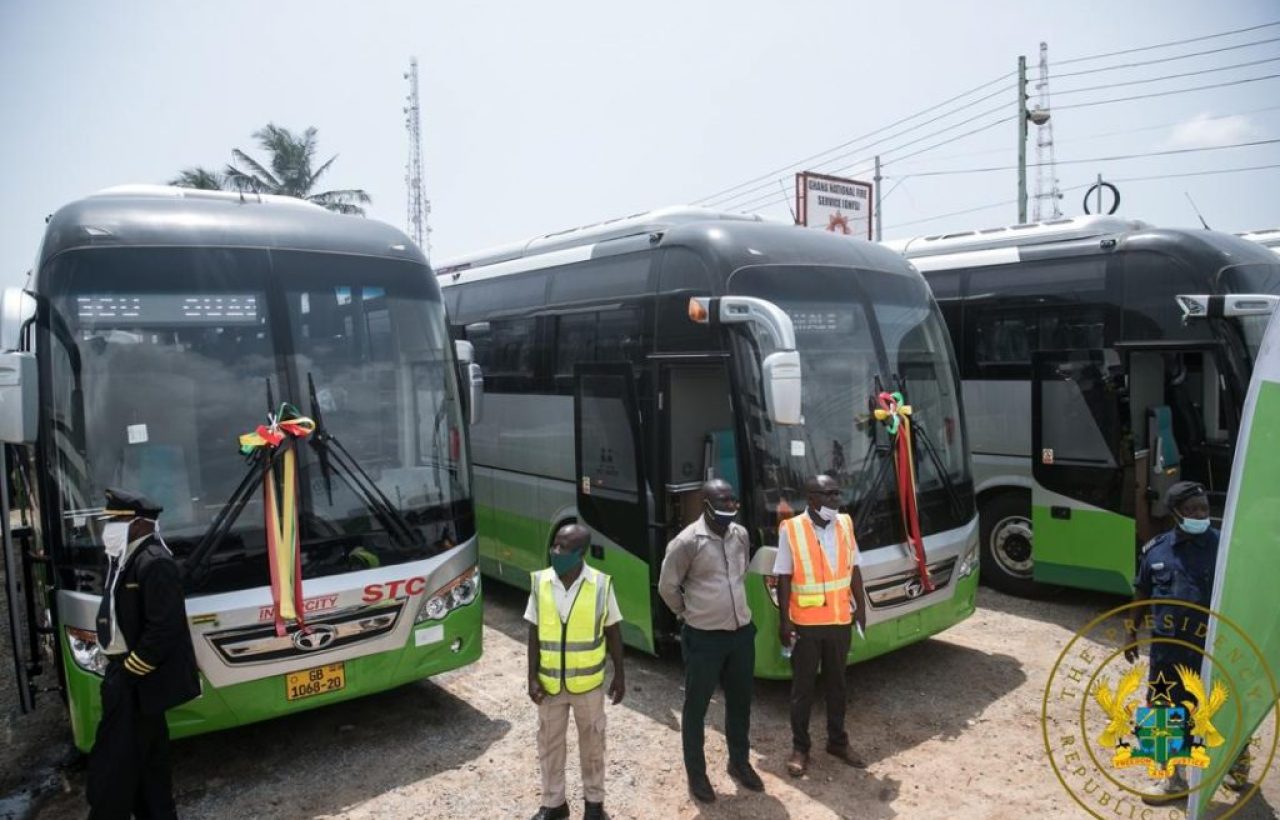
(824, 648)
(129, 768)
(717, 658)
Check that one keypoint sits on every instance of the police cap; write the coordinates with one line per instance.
(1182, 491)
(125, 504)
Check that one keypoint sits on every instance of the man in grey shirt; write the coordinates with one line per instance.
(702, 581)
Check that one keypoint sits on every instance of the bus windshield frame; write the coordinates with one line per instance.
(160, 358)
(858, 332)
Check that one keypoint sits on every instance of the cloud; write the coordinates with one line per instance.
(1204, 131)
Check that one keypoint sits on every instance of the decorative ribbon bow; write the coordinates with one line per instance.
(895, 413)
(283, 554)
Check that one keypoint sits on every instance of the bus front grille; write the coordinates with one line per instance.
(904, 587)
(259, 643)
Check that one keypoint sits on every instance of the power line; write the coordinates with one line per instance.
(1100, 135)
(943, 142)
(727, 201)
(771, 174)
(1191, 174)
(1170, 43)
(1112, 158)
(1167, 76)
(1141, 63)
(1151, 178)
(1167, 93)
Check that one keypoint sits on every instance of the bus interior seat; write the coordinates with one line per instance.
(1166, 458)
(720, 457)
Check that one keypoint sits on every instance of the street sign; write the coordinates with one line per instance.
(834, 204)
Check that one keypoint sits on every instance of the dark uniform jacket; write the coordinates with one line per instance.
(1177, 569)
(152, 616)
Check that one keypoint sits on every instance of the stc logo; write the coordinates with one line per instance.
(373, 593)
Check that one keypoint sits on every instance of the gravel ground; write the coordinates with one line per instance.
(950, 728)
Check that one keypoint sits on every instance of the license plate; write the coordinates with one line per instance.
(306, 683)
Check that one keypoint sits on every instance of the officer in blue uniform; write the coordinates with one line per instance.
(1178, 566)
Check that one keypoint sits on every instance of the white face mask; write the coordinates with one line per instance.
(827, 514)
(115, 537)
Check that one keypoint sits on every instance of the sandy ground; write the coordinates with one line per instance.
(950, 728)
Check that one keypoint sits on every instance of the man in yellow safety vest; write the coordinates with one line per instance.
(573, 619)
(819, 597)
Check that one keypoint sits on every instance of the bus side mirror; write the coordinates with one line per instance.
(18, 408)
(473, 376)
(781, 375)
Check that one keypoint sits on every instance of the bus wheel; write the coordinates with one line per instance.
(1005, 524)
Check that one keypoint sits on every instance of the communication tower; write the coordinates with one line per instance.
(1047, 197)
(419, 207)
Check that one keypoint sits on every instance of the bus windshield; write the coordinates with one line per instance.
(162, 358)
(1257, 277)
(854, 328)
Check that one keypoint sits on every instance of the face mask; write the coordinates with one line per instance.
(565, 562)
(827, 514)
(1193, 526)
(115, 537)
(722, 517)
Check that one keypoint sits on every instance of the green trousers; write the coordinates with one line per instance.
(717, 658)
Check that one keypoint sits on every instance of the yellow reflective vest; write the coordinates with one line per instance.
(572, 652)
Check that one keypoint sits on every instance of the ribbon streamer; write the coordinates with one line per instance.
(896, 415)
(283, 554)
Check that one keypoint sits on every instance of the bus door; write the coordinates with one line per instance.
(1182, 416)
(20, 593)
(612, 491)
(1082, 499)
(696, 438)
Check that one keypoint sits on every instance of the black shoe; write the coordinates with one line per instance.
(746, 776)
(560, 812)
(700, 788)
(593, 811)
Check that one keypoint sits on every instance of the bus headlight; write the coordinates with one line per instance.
(456, 594)
(85, 650)
(969, 564)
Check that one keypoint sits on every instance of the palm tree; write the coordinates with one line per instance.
(197, 177)
(291, 172)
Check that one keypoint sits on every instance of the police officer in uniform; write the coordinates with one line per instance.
(1178, 566)
(151, 665)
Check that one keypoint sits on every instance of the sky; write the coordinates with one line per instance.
(541, 116)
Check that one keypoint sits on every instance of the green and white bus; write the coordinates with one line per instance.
(627, 362)
(1086, 392)
(158, 326)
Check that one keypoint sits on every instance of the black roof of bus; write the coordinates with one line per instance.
(736, 244)
(198, 219)
(1210, 249)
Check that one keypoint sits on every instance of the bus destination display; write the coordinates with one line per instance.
(168, 309)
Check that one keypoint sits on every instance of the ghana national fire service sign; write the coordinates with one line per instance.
(833, 204)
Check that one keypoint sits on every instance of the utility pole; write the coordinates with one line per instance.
(879, 223)
(419, 207)
(1022, 139)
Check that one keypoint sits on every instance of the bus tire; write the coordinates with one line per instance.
(1006, 545)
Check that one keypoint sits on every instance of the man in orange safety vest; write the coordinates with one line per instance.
(820, 597)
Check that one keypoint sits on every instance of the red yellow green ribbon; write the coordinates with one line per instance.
(283, 554)
(896, 415)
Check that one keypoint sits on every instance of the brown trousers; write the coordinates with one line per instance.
(553, 726)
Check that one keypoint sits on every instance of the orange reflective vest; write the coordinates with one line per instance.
(820, 593)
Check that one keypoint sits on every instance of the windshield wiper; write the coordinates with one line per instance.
(934, 458)
(330, 451)
(195, 566)
(875, 448)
